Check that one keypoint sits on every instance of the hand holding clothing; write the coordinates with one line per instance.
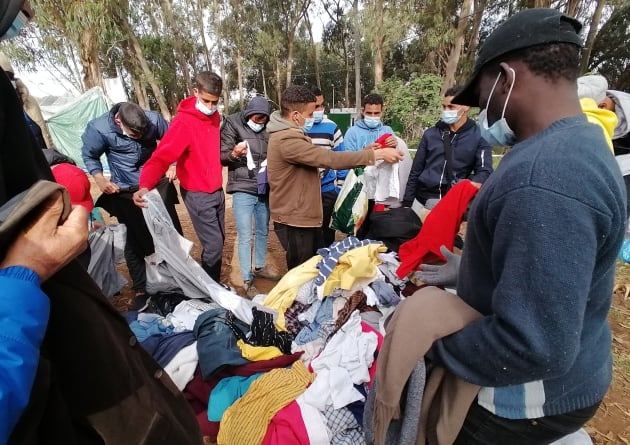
(105, 185)
(389, 155)
(46, 245)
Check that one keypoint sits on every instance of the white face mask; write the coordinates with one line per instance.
(256, 128)
(200, 106)
(449, 117)
(318, 116)
(498, 134)
(372, 122)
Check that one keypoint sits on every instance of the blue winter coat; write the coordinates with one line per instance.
(24, 311)
(472, 159)
(124, 154)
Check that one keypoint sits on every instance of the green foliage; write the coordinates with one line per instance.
(611, 51)
(415, 103)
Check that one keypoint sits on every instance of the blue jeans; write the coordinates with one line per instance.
(250, 211)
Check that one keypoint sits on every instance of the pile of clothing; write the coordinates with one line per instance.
(300, 370)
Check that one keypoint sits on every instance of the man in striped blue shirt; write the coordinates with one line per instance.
(326, 133)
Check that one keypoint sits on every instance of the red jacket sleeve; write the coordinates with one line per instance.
(170, 148)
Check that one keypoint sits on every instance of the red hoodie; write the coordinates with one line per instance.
(193, 141)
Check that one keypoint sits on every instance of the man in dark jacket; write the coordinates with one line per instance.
(244, 152)
(128, 135)
(450, 151)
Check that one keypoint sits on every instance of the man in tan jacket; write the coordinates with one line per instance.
(292, 167)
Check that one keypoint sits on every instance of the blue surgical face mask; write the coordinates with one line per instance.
(308, 124)
(200, 106)
(318, 116)
(449, 117)
(19, 22)
(256, 127)
(372, 122)
(498, 134)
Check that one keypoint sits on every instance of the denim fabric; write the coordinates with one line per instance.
(217, 333)
(250, 210)
(324, 315)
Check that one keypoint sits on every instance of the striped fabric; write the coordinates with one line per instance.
(246, 421)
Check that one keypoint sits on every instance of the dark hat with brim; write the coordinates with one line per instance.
(528, 28)
(8, 12)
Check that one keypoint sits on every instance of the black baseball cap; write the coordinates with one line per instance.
(527, 28)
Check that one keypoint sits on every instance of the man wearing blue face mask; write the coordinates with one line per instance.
(244, 152)
(370, 127)
(293, 163)
(541, 246)
(325, 133)
(448, 152)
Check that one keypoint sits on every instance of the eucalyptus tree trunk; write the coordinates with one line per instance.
(458, 45)
(199, 19)
(379, 42)
(88, 52)
(592, 33)
(357, 56)
(177, 42)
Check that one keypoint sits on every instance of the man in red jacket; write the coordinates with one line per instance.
(193, 141)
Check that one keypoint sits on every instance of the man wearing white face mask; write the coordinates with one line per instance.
(370, 127)
(448, 152)
(543, 237)
(193, 142)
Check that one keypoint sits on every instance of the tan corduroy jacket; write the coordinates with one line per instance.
(292, 167)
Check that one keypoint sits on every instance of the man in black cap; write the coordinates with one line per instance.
(540, 253)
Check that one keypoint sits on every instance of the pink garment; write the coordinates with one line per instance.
(367, 328)
(287, 427)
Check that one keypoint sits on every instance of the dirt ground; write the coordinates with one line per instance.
(611, 425)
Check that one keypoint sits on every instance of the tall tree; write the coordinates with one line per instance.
(458, 45)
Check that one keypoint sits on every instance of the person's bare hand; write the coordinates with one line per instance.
(476, 184)
(106, 186)
(138, 197)
(373, 146)
(391, 142)
(45, 246)
(239, 150)
(171, 173)
(389, 155)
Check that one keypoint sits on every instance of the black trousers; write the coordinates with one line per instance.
(327, 236)
(207, 215)
(481, 427)
(139, 241)
(299, 243)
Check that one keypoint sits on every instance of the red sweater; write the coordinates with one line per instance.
(193, 141)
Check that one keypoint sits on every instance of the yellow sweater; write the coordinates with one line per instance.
(246, 421)
(606, 119)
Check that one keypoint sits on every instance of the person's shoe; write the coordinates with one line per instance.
(267, 272)
(250, 289)
(140, 303)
